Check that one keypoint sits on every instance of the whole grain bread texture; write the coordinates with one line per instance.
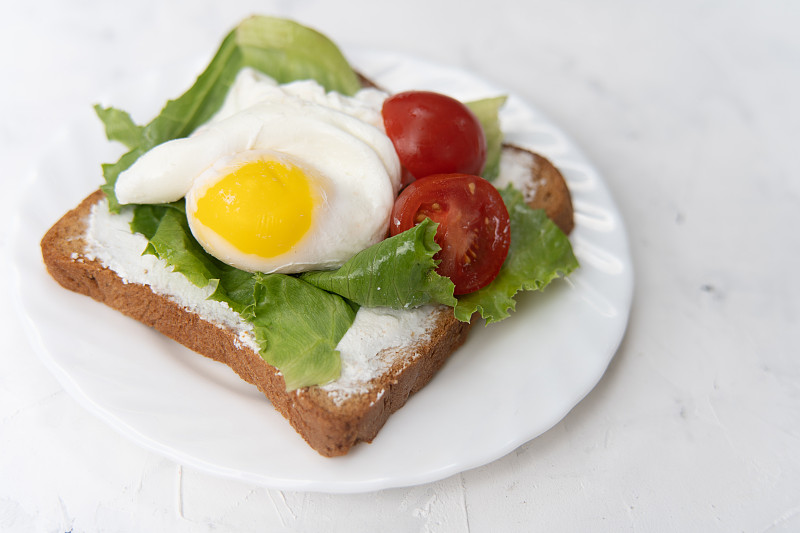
(330, 426)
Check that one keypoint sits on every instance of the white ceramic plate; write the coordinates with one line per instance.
(508, 384)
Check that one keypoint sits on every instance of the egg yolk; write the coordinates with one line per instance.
(262, 208)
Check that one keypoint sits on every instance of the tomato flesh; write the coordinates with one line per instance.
(474, 228)
(434, 134)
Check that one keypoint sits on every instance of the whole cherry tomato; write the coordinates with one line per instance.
(434, 134)
(474, 228)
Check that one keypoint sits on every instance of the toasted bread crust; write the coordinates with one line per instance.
(552, 193)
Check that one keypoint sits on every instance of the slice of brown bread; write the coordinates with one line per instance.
(331, 423)
(542, 184)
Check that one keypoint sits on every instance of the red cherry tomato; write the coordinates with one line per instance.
(473, 230)
(434, 134)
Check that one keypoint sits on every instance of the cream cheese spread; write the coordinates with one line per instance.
(517, 168)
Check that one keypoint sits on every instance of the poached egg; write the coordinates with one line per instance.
(284, 178)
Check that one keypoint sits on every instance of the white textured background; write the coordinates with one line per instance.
(689, 110)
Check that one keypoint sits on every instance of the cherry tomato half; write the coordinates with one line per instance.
(434, 134)
(473, 230)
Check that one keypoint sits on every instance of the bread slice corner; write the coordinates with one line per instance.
(329, 420)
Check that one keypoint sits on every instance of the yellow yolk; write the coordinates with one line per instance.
(262, 208)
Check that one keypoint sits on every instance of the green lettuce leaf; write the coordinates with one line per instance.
(397, 272)
(120, 126)
(173, 242)
(146, 218)
(298, 327)
(236, 288)
(540, 252)
(487, 112)
(296, 324)
(280, 48)
(170, 239)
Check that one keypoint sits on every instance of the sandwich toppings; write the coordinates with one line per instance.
(274, 180)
